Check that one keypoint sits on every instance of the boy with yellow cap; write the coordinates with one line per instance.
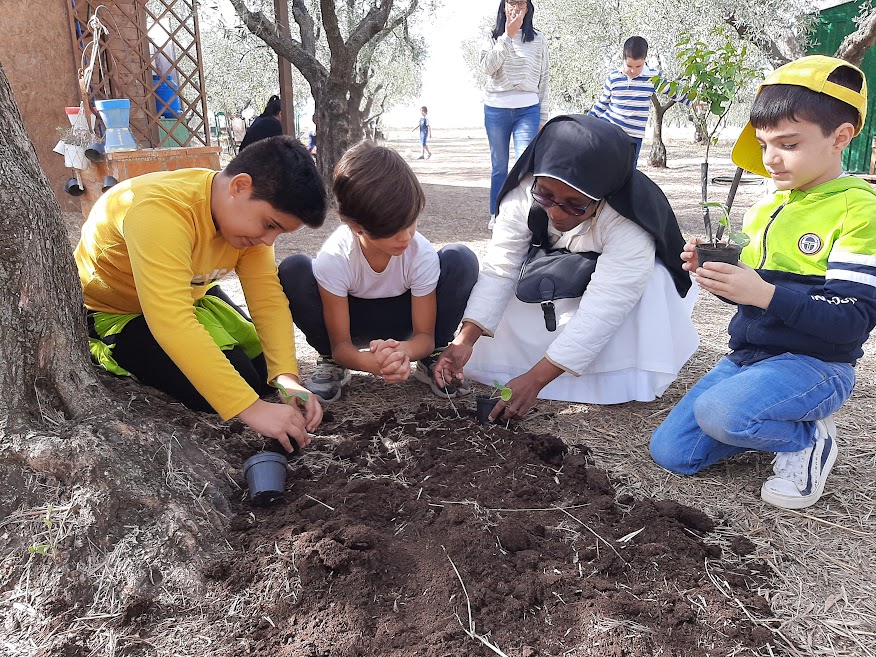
(805, 289)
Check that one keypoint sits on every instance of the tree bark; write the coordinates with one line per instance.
(45, 372)
(855, 46)
(657, 156)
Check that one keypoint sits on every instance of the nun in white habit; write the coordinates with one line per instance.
(629, 334)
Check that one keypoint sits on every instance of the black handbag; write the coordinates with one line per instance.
(549, 274)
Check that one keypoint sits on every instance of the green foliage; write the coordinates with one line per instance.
(502, 392)
(733, 237)
(712, 75)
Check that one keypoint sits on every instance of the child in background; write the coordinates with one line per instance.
(805, 289)
(378, 297)
(626, 95)
(149, 257)
(425, 133)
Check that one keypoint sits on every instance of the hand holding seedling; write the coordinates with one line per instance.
(392, 360)
(739, 283)
(293, 393)
(526, 388)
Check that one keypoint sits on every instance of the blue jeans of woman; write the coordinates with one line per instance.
(770, 405)
(501, 123)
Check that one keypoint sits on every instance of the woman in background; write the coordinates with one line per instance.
(267, 124)
(515, 59)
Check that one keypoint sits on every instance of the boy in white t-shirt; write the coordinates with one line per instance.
(378, 296)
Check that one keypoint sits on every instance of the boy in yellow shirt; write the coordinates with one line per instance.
(149, 257)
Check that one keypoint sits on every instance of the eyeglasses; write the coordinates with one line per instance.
(547, 202)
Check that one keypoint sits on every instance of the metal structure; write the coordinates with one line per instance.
(149, 52)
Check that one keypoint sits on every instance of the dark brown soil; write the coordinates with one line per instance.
(360, 558)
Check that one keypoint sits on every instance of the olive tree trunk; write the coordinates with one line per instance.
(45, 371)
(657, 156)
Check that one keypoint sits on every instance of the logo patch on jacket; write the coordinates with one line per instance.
(809, 244)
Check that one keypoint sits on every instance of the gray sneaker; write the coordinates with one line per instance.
(327, 380)
(799, 477)
(423, 373)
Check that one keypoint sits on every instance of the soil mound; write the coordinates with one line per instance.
(431, 535)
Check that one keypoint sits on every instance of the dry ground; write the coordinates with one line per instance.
(824, 590)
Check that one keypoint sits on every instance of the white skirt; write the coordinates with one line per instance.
(638, 363)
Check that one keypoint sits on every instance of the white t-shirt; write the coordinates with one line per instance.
(341, 268)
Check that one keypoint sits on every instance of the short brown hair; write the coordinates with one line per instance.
(377, 189)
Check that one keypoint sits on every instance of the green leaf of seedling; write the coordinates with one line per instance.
(300, 394)
(504, 391)
(739, 238)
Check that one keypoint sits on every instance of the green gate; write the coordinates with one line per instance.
(833, 25)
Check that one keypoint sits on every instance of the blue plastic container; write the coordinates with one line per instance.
(116, 116)
(168, 105)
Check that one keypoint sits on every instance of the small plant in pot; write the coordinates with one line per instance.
(715, 250)
(486, 403)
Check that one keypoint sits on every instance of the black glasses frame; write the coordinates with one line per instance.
(545, 202)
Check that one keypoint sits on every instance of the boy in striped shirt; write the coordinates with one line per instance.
(626, 95)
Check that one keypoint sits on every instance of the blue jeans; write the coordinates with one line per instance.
(771, 406)
(638, 142)
(501, 123)
(390, 317)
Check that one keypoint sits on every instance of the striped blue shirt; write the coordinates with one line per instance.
(626, 102)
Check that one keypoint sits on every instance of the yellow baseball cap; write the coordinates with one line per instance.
(810, 72)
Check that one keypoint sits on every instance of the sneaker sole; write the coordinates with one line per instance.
(422, 377)
(341, 384)
(803, 502)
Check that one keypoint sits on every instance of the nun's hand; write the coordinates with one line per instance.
(689, 255)
(525, 389)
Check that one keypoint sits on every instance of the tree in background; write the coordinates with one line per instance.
(240, 70)
(714, 73)
(337, 48)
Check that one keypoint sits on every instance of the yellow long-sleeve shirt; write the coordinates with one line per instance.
(150, 246)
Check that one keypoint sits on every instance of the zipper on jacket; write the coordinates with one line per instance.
(765, 230)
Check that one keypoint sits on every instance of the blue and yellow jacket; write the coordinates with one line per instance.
(818, 247)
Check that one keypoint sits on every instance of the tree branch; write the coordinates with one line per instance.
(332, 32)
(305, 26)
(855, 46)
(289, 48)
(767, 46)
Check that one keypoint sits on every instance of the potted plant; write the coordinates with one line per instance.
(713, 77)
(714, 250)
(486, 403)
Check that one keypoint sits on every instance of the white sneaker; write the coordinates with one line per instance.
(492, 222)
(800, 477)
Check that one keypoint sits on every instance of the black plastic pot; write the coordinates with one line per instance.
(73, 188)
(728, 253)
(265, 474)
(95, 151)
(484, 406)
